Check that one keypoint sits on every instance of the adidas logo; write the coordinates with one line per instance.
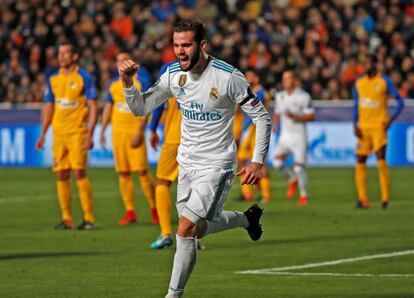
(181, 92)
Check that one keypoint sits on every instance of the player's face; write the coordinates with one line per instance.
(288, 80)
(66, 56)
(121, 57)
(186, 49)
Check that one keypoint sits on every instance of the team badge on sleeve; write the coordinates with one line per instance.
(214, 93)
(182, 80)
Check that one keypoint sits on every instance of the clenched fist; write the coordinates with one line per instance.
(127, 70)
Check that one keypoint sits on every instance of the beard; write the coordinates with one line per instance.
(193, 60)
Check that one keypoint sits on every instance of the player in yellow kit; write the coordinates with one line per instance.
(72, 111)
(246, 147)
(371, 122)
(130, 152)
(167, 168)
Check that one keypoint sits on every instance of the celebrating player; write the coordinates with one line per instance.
(207, 90)
(293, 108)
(371, 123)
(247, 145)
(130, 152)
(70, 99)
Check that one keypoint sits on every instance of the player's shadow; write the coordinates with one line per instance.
(38, 255)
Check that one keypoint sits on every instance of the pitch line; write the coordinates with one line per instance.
(329, 263)
(333, 274)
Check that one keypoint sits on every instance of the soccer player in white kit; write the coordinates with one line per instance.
(293, 108)
(207, 90)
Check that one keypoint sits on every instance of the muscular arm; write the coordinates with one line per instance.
(106, 117)
(275, 122)
(92, 118)
(47, 116)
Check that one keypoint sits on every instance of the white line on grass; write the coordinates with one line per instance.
(334, 274)
(37, 198)
(328, 263)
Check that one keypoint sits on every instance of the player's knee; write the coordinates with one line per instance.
(163, 182)
(277, 164)
(79, 174)
(142, 173)
(361, 158)
(63, 175)
(298, 168)
(124, 174)
(186, 228)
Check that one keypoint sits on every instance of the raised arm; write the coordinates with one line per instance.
(142, 103)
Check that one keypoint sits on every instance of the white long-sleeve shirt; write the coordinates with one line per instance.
(207, 103)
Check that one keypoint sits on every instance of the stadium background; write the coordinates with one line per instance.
(326, 42)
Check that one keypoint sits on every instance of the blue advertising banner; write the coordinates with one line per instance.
(330, 144)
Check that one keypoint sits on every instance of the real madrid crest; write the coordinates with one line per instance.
(214, 93)
(182, 80)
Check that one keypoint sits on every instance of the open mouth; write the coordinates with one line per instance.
(184, 61)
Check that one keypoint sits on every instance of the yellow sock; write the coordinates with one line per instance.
(361, 181)
(65, 198)
(163, 202)
(126, 188)
(246, 191)
(85, 194)
(148, 187)
(384, 179)
(265, 188)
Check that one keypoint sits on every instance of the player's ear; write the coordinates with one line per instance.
(203, 45)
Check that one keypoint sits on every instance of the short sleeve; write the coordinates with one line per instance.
(307, 104)
(88, 85)
(49, 96)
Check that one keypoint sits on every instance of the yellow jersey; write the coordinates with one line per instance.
(172, 128)
(69, 93)
(370, 97)
(122, 118)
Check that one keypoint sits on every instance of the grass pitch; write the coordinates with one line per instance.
(115, 261)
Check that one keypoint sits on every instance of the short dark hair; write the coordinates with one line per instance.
(194, 26)
(72, 45)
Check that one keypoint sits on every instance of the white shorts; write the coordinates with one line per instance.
(201, 193)
(296, 146)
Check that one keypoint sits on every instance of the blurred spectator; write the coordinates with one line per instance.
(325, 42)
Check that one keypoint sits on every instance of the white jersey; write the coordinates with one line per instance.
(299, 103)
(207, 103)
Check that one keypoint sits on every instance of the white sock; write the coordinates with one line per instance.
(302, 179)
(184, 261)
(228, 220)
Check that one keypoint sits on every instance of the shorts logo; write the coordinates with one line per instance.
(72, 85)
(214, 93)
(182, 80)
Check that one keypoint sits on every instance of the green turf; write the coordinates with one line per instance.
(115, 261)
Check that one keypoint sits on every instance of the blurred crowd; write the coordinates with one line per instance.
(326, 42)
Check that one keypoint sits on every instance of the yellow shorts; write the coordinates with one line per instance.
(167, 164)
(128, 159)
(247, 145)
(68, 152)
(372, 140)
